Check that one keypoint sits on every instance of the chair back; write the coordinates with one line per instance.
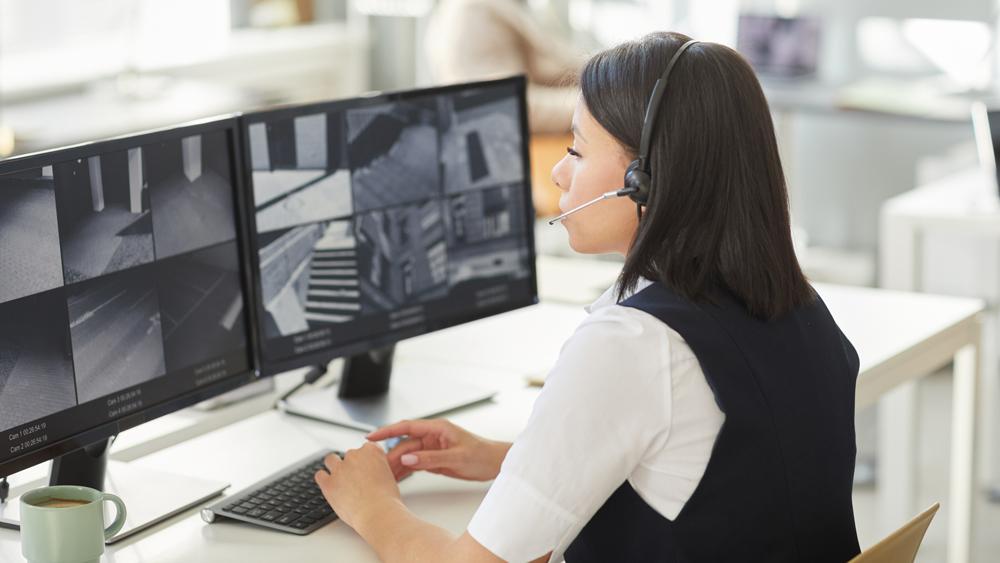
(900, 546)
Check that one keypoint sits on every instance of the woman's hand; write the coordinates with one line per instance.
(359, 487)
(441, 447)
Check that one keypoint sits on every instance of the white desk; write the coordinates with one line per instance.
(899, 336)
(961, 210)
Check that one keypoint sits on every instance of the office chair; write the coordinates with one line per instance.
(902, 545)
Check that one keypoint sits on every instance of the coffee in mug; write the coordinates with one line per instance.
(60, 503)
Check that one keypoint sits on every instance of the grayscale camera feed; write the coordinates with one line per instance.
(36, 370)
(402, 256)
(481, 144)
(114, 324)
(484, 231)
(201, 305)
(190, 191)
(104, 219)
(299, 170)
(393, 154)
(309, 278)
(30, 261)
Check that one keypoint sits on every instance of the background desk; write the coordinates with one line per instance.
(920, 232)
(899, 336)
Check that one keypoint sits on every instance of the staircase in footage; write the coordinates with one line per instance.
(332, 295)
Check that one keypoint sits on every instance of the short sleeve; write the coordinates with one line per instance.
(606, 401)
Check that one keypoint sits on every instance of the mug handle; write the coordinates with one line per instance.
(120, 513)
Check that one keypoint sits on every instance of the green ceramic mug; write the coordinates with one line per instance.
(65, 524)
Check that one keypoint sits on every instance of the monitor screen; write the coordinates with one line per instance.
(779, 46)
(121, 287)
(993, 117)
(384, 217)
(986, 128)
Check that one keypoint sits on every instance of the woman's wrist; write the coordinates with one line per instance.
(376, 519)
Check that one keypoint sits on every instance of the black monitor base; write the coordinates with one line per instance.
(150, 496)
(364, 400)
(86, 466)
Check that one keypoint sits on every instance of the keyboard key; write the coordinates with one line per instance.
(287, 519)
(318, 514)
(238, 510)
(255, 513)
(271, 516)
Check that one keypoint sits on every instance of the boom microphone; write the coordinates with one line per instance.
(606, 195)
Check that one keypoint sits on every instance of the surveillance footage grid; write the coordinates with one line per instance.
(364, 212)
(115, 270)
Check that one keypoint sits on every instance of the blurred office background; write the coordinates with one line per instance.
(871, 101)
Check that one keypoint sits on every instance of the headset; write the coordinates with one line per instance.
(638, 174)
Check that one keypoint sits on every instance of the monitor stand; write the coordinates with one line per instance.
(150, 496)
(364, 400)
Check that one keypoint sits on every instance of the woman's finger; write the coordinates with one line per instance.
(394, 430)
(429, 459)
(399, 470)
(413, 428)
(321, 477)
(331, 461)
(406, 446)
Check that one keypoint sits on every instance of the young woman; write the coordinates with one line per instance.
(704, 411)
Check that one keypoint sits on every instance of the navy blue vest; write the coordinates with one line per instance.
(778, 483)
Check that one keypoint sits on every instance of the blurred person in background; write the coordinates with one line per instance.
(479, 39)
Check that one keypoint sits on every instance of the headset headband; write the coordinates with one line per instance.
(652, 107)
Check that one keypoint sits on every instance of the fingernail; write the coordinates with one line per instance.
(408, 459)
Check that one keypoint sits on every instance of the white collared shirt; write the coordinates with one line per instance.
(626, 400)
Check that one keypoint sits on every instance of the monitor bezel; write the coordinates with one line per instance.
(269, 367)
(106, 429)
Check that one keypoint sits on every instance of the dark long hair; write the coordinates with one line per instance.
(717, 217)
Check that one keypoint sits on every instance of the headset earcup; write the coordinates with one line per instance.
(638, 180)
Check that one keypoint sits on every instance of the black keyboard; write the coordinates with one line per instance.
(288, 500)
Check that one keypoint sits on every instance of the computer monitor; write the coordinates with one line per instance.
(380, 218)
(782, 47)
(122, 297)
(986, 128)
